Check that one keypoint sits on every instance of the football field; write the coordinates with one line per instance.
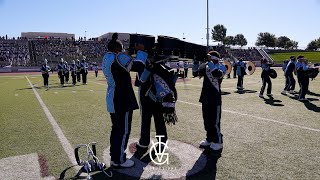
(264, 138)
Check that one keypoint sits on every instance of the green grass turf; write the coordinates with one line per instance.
(254, 148)
(24, 128)
(313, 57)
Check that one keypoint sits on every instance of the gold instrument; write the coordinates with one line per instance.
(228, 66)
(251, 67)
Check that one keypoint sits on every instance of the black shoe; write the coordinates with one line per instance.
(140, 152)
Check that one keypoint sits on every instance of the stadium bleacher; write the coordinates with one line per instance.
(32, 52)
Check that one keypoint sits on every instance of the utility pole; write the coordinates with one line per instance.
(207, 25)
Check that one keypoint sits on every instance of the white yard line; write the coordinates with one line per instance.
(257, 117)
(67, 147)
(100, 83)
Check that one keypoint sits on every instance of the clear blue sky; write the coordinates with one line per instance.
(297, 19)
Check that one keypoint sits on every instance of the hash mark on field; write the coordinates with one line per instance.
(56, 128)
(16, 95)
(56, 92)
(260, 118)
(74, 91)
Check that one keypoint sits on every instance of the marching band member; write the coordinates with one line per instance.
(303, 77)
(66, 71)
(96, 69)
(241, 66)
(265, 78)
(228, 76)
(120, 98)
(288, 73)
(195, 68)
(78, 70)
(186, 67)
(73, 69)
(45, 69)
(61, 70)
(156, 101)
(213, 72)
(84, 71)
(234, 65)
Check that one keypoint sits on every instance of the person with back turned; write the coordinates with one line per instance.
(265, 78)
(288, 73)
(241, 66)
(120, 98)
(303, 77)
(157, 95)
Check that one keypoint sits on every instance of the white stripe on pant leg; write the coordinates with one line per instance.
(124, 136)
(139, 96)
(217, 123)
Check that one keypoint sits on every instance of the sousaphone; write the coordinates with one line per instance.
(227, 64)
(250, 67)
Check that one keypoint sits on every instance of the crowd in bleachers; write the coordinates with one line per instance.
(68, 48)
(14, 52)
(250, 54)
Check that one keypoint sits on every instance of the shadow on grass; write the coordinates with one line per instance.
(272, 102)
(66, 87)
(313, 94)
(208, 172)
(225, 93)
(308, 104)
(30, 88)
(210, 169)
(245, 91)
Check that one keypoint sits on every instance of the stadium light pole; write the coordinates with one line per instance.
(85, 35)
(207, 25)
